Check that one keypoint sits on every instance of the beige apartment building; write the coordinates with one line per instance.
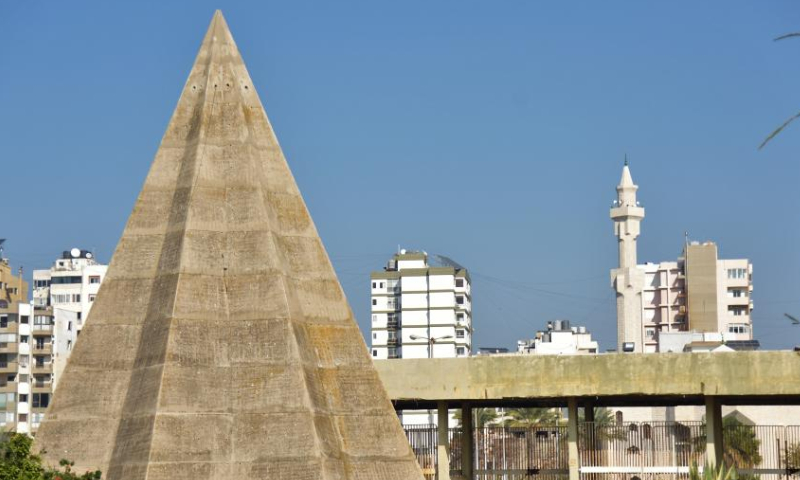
(22, 403)
(36, 338)
(699, 292)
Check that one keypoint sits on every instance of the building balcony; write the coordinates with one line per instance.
(393, 324)
(45, 349)
(7, 387)
(12, 327)
(7, 347)
(39, 330)
(9, 367)
(391, 342)
(42, 387)
(41, 368)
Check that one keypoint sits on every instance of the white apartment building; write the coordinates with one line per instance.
(560, 339)
(71, 284)
(697, 293)
(421, 309)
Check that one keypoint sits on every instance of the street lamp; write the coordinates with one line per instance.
(431, 341)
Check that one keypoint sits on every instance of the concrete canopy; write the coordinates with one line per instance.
(221, 345)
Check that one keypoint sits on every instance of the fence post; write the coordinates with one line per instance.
(588, 412)
(443, 446)
(572, 438)
(713, 431)
(467, 441)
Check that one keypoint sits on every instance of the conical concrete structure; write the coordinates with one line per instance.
(221, 345)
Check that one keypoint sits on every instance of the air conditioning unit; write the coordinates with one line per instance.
(682, 309)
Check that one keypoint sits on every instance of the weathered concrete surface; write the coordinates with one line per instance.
(673, 378)
(221, 345)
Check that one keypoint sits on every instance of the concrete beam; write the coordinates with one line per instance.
(609, 379)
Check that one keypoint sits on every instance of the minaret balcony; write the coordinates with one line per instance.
(627, 211)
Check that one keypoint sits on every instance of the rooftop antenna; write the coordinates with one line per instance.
(2, 241)
(626, 159)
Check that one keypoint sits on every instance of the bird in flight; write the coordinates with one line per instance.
(794, 320)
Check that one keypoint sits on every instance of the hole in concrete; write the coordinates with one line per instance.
(246, 87)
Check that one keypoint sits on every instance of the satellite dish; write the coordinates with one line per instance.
(89, 255)
(75, 252)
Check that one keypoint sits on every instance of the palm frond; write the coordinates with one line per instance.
(794, 319)
(778, 130)
(787, 35)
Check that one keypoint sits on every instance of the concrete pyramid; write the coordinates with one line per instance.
(221, 345)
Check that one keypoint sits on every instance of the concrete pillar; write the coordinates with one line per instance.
(467, 442)
(713, 431)
(443, 450)
(572, 439)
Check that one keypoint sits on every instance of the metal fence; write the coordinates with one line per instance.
(647, 450)
(616, 451)
(501, 453)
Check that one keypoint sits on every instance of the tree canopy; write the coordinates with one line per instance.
(17, 462)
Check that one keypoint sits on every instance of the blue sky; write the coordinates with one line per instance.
(490, 132)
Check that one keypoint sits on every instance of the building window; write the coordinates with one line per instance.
(459, 333)
(392, 335)
(374, 336)
(41, 400)
(23, 319)
(459, 299)
(374, 318)
(737, 273)
(459, 283)
(23, 417)
(737, 311)
(650, 333)
(374, 284)
(460, 351)
(737, 328)
(92, 297)
(374, 353)
(619, 416)
(736, 293)
(94, 279)
(381, 285)
(76, 298)
(4, 321)
(23, 398)
(23, 339)
(374, 302)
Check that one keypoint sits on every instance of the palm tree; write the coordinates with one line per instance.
(793, 117)
(532, 417)
(740, 446)
(605, 425)
(481, 416)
